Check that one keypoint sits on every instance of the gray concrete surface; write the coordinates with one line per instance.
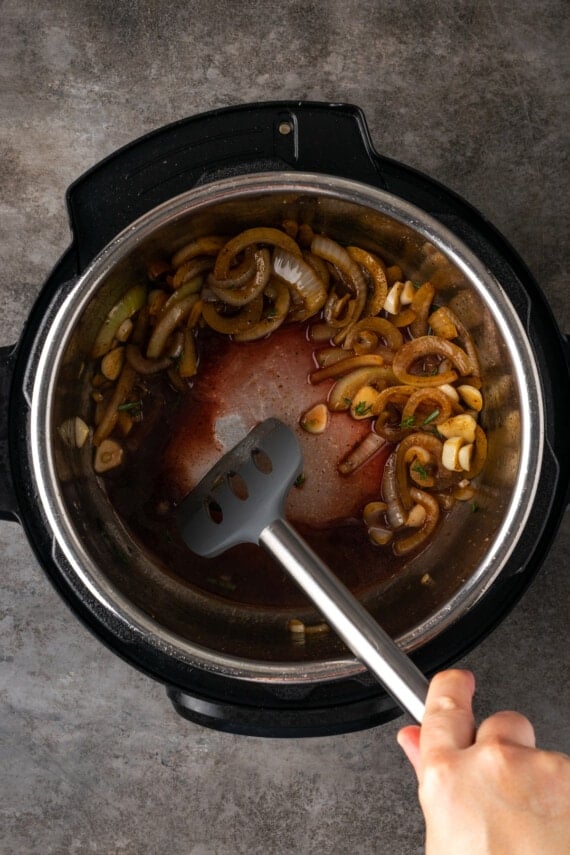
(474, 93)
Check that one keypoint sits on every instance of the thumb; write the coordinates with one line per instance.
(409, 741)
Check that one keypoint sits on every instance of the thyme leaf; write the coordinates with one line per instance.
(431, 417)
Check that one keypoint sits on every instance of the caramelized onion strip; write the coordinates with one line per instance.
(382, 329)
(233, 324)
(169, 319)
(143, 365)
(411, 452)
(261, 235)
(405, 545)
(190, 270)
(343, 366)
(206, 245)
(303, 281)
(464, 337)
(421, 305)
(240, 296)
(241, 273)
(281, 302)
(361, 453)
(429, 346)
(376, 271)
(395, 512)
(110, 415)
(126, 307)
(342, 393)
(335, 254)
(479, 455)
(426, 407)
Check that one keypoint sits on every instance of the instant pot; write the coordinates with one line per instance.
(224, 665)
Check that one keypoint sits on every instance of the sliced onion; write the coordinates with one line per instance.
(479, 454)
(320, 267)
(168, 320)
(233, 324)
(395, 513)
(433, 403)
(421, 305)
(125, 308)
(381, 327)
(262, 235)
(344, 366)
(362, 453)
(430, 345)
(111, 413)
(302, 279)
(334, 253)
(240, 296)
(404, 456)
(345, 388)
(206, 245)
(413, 541)
(145, 366)
(241, 273)
(190, 270)
(393, 396)
(270, 322)
(465, 339)
(377, 273)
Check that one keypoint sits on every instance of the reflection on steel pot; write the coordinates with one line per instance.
(232, 664)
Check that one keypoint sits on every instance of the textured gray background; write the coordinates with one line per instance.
(474, 93)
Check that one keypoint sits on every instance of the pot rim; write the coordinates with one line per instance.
(43, 373)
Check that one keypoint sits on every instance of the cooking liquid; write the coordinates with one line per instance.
(182, 436)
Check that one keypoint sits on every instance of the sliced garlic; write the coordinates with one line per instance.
(450, 391)
(112, 363)
(442, 325)
(408, 292)
(450, 453)
(465, 456)
(472, 397)
(464, 494)
(316, 419)
(380, 535)
(108, 455)
(416, 517)
(362, 406)
(393, 298)
(296, 626)
(125, 330)
(463, 426)
(74, 432)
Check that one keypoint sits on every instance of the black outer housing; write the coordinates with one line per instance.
(324, 138)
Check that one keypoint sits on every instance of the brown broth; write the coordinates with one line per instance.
(145, 489)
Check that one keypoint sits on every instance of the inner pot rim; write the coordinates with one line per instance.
(42, 383)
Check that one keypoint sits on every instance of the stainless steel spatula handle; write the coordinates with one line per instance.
(357, 628)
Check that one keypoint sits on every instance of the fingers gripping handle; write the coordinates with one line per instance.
(357, 628)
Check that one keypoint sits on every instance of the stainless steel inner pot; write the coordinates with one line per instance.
(97, 553)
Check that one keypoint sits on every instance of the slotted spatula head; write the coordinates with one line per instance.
(243, 492)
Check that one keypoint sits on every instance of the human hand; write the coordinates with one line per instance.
(485, 791)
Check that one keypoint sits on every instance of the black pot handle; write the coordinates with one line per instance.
(8, 502)
(280, 135)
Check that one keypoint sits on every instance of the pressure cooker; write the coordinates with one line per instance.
(227, 665)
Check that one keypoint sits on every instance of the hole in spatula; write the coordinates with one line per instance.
(262, 461)
(214, 511)
(238, 486)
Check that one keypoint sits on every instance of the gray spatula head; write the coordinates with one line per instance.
(243, 493)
